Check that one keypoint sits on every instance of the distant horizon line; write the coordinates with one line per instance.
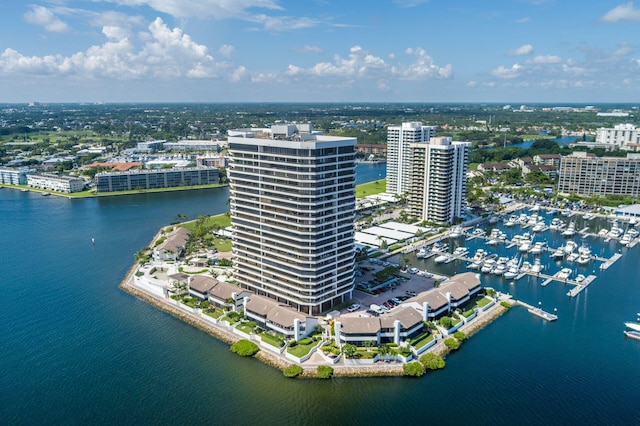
(314, 103)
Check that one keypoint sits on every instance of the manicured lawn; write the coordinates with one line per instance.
(246, 328)
(423, 341)
(370, 188)
(216, 313)
(272, 340)
(301, 350)
(222, 220)
(483, 302)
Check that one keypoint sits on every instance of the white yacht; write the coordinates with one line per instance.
(461, 251)
(559, 253)
(570, 231)
(488, 265)
(513, 219)
(555, 224)
(443, 258)
(537, 266)
(422, 253)
(625, 240)
(479, 255)
(526, 266)
(573, 257)
(455, 232)
(525, 246)
(583, 259)
(538, 247)
(580, 278)
(570, 247)
(564, 273)
(539, 227)
(584, 249)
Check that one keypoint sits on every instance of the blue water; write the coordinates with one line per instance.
(368, 172)
(77, 350)
(565, 140)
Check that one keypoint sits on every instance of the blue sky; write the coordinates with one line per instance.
(566, 51)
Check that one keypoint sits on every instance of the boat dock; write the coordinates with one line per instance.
(581, 286)
(538, 312)
(610, 261)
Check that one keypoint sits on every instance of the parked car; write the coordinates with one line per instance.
(353, 307)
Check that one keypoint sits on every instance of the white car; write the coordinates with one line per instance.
(353, 307)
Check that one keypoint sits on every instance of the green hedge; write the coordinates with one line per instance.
(292, 371)
(432, 361)
(244, 348)
(413, 369)
(325, 372)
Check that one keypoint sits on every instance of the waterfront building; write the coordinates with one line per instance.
(152, 179)
(218, 161)
(149, 146)
(173, 245)
(292, 213)
(372, 148)
(282, 319)
(192, 145)
(399, 153)
(621, 136)
(586, 175)
(548, 159)
(56, 183)
(438, 179)
(13, 176)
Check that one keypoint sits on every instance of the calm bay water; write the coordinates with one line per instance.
(74, 349)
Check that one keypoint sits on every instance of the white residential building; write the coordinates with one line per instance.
(622, 136)
(292, 213)
(55, 182)
(438, 182)
(14, 176)
(399, 153)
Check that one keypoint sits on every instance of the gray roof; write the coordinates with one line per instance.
(357, 325)
(434, 298)
(284, 316)
(260, 305)
(176, 240)
(408, 317)
(224, 291)
(202, 283)
(468, 279)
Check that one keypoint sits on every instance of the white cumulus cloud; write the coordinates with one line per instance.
(547, 59)
(525, 49)
(226, 50)
(623, 12)
(159, 52)
(507, 73)
(40, 15)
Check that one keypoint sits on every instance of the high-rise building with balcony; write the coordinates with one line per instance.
(438, 181)
(399, 153)
(588, 175)
(292, 214)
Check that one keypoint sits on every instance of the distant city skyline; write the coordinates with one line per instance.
(510, 51)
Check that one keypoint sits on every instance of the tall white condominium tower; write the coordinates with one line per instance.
(292, 212)
(438, 181)
(399, 160)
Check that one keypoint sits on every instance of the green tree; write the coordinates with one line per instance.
(446, 322)
(432, 361)
(452, 344)
(244, 348)
(413, 369)
(349, 350)
(292, 371)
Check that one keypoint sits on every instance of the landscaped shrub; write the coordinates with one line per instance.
(446, 322)
(505, 305)
(413, 369)
(432, 361)
(244, 348)
(461, 336)
(452, 344)
(325, 372)
(306, 341)
(292, 371)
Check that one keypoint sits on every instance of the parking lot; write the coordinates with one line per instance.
(408, 284)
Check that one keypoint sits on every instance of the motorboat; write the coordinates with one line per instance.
(538, 248)
(478, 232)
(570, 231)
(526, 266)
(633, 326)
(625, 240)
(461, 251)
(537, 266)
(443, 258)
(525, 246)
(422, 253)
(479, 255)
(488, 266)
(580, 278)
(573, 257)
(535, 208)
(455, 232)
(570, 246)
(603, 233)
(539, 227)
(512, 221)
(475, 265)
(583, 259)
(584, 249)
(558, 253)
(555, 224)
(440, 247)
(500, 266)
(564, 274)
(492, 241)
